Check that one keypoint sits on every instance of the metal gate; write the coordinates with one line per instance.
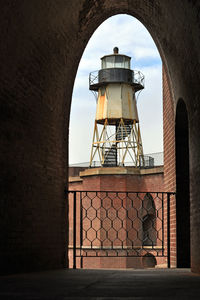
(119, 224)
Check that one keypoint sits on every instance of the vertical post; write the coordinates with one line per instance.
(116, 127)
(168, 230)
(66, 259)
(81, 231)
(74, 232)
(163, 232)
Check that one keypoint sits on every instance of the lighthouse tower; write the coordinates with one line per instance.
(116, 138)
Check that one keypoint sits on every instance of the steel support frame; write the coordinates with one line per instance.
(130, 146)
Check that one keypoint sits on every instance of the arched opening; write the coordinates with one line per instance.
(149, 221)
(149, 261)
(138, 45)
(134, 40)
(148, 224)
(182, 186)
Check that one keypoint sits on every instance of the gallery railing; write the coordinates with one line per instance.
(119, 224)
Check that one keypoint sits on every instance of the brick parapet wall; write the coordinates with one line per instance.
(124, 183)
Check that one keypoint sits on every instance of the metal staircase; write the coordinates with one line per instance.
(111, 154)
(111, 157)
(123, 132)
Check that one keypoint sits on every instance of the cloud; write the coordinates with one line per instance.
(144, 53)
(134, 40)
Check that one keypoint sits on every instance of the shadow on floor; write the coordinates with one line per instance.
(102, 284)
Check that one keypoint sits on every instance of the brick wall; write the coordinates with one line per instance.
(169, 156)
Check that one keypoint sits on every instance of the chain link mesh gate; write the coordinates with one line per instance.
(119, 224)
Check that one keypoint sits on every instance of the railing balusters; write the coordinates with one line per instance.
(131, 242)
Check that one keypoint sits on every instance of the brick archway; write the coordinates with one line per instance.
(42, 45)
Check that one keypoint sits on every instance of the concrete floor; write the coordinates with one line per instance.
(102, 284)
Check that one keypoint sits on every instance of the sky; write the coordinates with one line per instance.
(132, 39)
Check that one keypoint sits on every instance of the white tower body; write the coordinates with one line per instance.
(116, 101)
(116, 139)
